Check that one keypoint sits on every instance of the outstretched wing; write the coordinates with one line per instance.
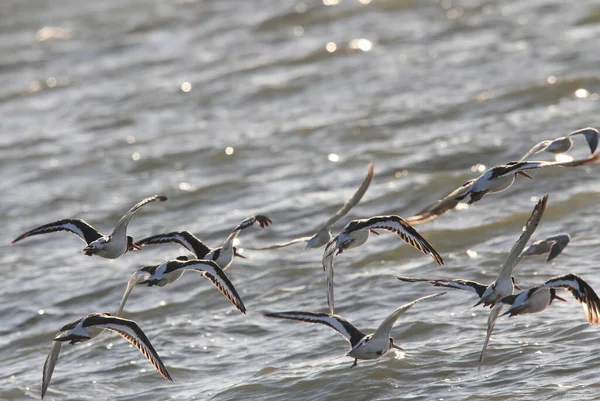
(217, 276)
(386, 326)
(323, 233)
(442, 206)
(401, 228)
(582, 292)
(76, 226)
(517, 248)
(49, 366)
(466, 285)
(130, 331)
(263, 221)
(338, 323)
(327, 262)
(515, 167)
(537, 148)
(124, 221)
(183, 238)
(559, 243)
(591, 137)
(135, 278)
(353, 200)
(552, 245)
(580, 162)
(281, 245)
(490, 327)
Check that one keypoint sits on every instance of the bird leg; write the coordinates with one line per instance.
(354, 364)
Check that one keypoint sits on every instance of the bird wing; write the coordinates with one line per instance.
(386, 326)
(581, 291)
(183, 238)
(532, 223)
(559, 243)
(491, 322)
(537, 148)
(398, 226)
(327, 262)
(130, 331)
(137, 276)
(49, 366)
(124, 221)
(338, 215)
(591, 137)
(281, 245)
(76, 226)
(336, 322)
(515, 167)
(442, 206)
(263, 221)
(353, 200)
(466, 285)
(579, 162)
(216, 275)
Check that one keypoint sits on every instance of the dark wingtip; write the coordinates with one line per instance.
(19, 238)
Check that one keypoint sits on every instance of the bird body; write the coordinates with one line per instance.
(364, 346)
(222, 255)
(564, 143)
(107, 246)
(92, 325)
(537, 299)
(504, 284)
(170, 271)
(357, 232)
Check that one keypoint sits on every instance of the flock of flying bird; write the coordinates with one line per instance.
(212, 263)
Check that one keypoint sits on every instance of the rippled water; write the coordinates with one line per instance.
(231, 108)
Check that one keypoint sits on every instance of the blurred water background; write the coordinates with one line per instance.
(232, 108)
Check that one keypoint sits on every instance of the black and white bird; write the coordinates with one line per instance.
(323, 234)
(500, 178)
(553, 246)
(496, 179)
(223, 255)
(364, 346)
(357, 232)
(91, 326)
(170, 271)
(504, 284)
(538, 298)
(107, 246)
(564, 143)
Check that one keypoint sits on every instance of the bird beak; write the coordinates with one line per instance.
(136, 247)
(560, 298)
(397, 347)
(239, 255)
(524, 174)
(517, 286)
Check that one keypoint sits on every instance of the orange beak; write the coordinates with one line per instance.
(524, 174)
(560, 298)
